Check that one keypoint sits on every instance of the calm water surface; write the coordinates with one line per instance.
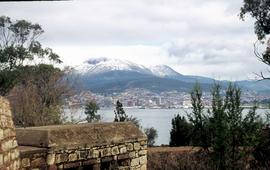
(160, 119)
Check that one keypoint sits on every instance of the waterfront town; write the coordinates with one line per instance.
(141, 98)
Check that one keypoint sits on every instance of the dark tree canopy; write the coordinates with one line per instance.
(180, 134)
(259, 10)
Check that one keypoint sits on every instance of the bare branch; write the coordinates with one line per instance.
(256, 51)
(261, 76)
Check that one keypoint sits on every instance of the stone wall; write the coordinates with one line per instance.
(124, 156)
(94, 146)
(9, 154)
(88, 146)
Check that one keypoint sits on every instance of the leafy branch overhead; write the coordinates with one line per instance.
(260, 11)
(19, 43)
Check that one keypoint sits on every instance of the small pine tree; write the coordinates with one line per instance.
(199, 121)
(233, 111)
(91, 109)
(219, 127)
(120, 115)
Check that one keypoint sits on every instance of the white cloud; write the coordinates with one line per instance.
(199, 37)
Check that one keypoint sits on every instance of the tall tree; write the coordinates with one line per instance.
(219, 128)
(36, 88)
(19, 45)
(198, 119)
(233, 111)
(260, 11)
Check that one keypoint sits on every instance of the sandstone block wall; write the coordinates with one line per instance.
(124, 156)
(9, 154)
(98, 146)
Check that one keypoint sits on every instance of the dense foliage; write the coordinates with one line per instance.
(180, 134)
(36, 99)
(258, 9)
(19, 46)
(34, 87)
(227, 135)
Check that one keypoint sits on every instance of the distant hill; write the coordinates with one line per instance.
(257, 86)
(118, 81)
(103, 75)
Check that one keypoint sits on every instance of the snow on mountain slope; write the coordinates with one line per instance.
(164, 71)
(102, 65)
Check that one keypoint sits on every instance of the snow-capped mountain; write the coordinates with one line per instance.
(102, 65)
(105, 75)
(164, 71)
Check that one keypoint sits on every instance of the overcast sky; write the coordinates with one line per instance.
(195, 37)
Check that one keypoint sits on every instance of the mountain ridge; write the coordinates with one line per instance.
(109, 75)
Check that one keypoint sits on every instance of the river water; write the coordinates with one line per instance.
(160, 119)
